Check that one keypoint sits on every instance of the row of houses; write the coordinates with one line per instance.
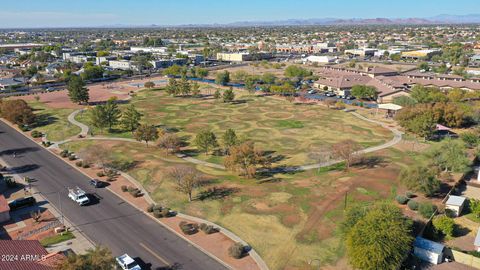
(389, 83)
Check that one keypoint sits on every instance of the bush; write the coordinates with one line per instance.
(150, 208)
(208, 229)
(188, 228)
(409, 194)
(79, 163)
(157, 214)
(158, 207)
(135, 192)
(401, 199)
(426, 209)
(100, 174)
(64, 153)
(413, 205)
(72, 157)
(236, 250)
(85, 165)
(24, 128)
(36, 134)
(124, 188)
(444, 224)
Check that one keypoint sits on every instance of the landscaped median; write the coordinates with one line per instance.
(215, 244)
(221, 245)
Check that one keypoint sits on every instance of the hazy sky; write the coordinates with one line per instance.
(53, 13)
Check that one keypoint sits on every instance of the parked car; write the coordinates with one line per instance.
(330, 94)
(21, 202)
(127, 263)
(97, 183)
(311, 92)
(350, 97)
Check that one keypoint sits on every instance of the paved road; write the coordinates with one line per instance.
(109, 221)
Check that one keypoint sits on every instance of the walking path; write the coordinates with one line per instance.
(397, 137)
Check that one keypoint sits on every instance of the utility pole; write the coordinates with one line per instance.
(60, 206)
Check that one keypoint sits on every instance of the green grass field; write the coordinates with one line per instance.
(57, 239)
(293, 131)
(53, 122)
(289, 220)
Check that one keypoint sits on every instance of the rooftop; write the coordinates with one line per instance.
(455, 200)
(426, 244)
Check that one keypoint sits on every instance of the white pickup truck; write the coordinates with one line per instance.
(127, 263)
(78, 195)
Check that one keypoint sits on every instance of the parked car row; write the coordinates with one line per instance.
(330, 94)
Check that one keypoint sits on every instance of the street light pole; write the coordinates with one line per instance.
(60, 206)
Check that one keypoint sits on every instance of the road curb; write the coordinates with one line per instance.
(136, 207)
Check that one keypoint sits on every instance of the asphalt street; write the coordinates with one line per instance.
(109, 220)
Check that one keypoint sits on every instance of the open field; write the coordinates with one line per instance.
(295, 132)
(289, 221)
(53, 121)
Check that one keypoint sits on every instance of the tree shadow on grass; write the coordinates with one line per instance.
(371, 162)
(461, 231)
(216, 193)
(45, 119)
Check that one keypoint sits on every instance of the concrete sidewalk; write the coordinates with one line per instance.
(79, 244)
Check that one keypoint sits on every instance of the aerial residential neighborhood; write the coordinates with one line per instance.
(240, 135)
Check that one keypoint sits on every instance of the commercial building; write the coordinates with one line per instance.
(164, 63)
(421, 54)
(121, 64)
(242, 56)
(360, 52)
(319, 59)
(149, 49)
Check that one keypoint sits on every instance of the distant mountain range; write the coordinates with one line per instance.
(439, 19)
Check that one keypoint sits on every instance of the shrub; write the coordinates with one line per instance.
(409, 194)
(135, 192)
(413, 205)
(150, 208)
(236, 250)
(124, 188)
(71, 157)
(64, 153)
(401, 199)
(110, 179)
(79, 163)
(24, 128)
(450, 213)
(130, 188)
(157, 207)
(208, 229)
(100, 174)
(444, 224)
(188, 228)
(85, 165)
(157, 214)
(36, 134)
(426, 209)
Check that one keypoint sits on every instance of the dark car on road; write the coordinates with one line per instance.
(97, 183)
(21, 202)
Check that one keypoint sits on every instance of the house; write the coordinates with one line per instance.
(7, 83)
(28, 254)
(4, 209)
(427, 250)
(456, 204)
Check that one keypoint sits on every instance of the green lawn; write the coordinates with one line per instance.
(57, 239)
(294, 132)
(54, 122)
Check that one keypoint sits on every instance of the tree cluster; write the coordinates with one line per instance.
(17, 111)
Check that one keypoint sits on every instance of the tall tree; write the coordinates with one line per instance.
(99, 258)
(420, 178)
(381, 239)
(186, 179)
(131, 118)
(146, 133)
(347, 151)
(17, 111)
(222, 78)
(77, 92)
(228, 95)
(170, 142)
(111, 113)
(450, 155)
(245, 158)
(229, 139)
(206, 140)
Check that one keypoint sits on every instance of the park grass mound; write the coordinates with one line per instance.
(290, 220)
(273, 123)
(54, 121)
